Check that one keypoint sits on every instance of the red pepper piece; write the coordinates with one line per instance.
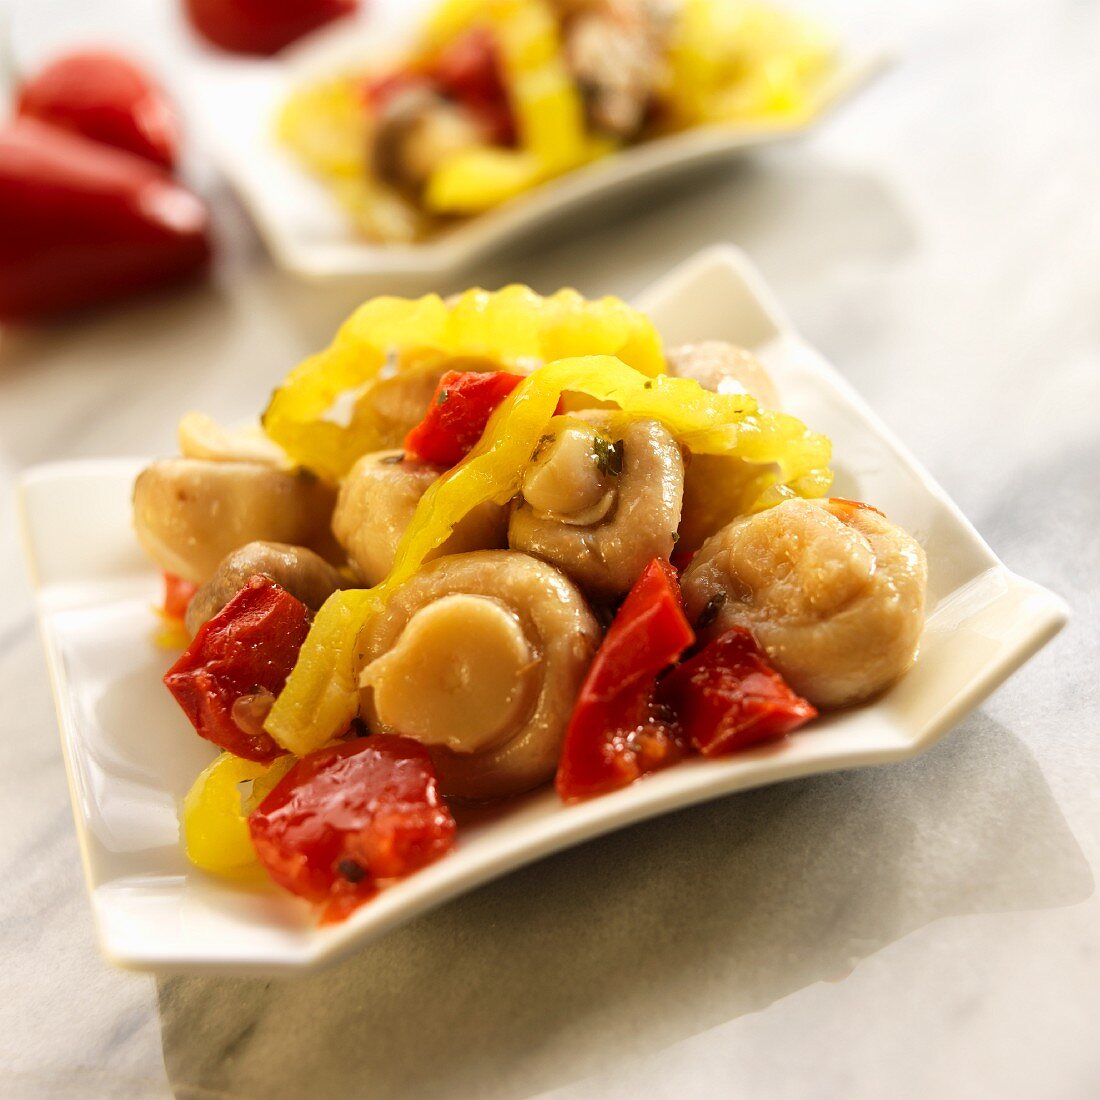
(177, 595)
(468, 70)
(82, 223)
(261, 26)
(236, 664)
(456, 418)
(619, 730)
(349, 818)
(727, 697)
(107, 98)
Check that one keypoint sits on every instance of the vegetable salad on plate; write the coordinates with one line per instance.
(493, 542)
(497, 96)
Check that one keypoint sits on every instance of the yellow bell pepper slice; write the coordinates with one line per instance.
(215, 821)
(326, 126)
(322, 694)
(323, 415)
(746, 62)
(547, 105)
(479, 179)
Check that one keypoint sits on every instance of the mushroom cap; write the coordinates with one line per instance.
(560, 632)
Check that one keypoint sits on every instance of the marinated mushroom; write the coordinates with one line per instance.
(600, 503)
(833, 591)
(480, 657)
(396, 401)
(724, 368)
(718, 488)
(615, 54)
(304, 574)
(376, 502)
(201, 436)
(189, 513)
(417, 129)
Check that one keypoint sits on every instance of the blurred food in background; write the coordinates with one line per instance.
(497, 96)
(261, 26)
(88, 209)
(108, 98)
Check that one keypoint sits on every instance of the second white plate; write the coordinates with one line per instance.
(236, 102)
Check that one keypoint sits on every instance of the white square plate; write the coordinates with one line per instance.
(131, 754)
(236, 101)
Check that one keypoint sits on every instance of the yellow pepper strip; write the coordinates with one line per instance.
(737, 61)
(321, 695)
(326, 126)
(215, 822)
(478, 179)
(547, 105)
(514, 327)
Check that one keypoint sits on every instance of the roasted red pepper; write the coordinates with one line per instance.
(468, 70)
(456, 418)
(727, 697)
(82, 223)
(177, 595)
(349, 818)
(107, 98)
(261, 26)
(619, 729)
(237, 664)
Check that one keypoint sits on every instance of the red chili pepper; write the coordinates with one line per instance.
(177, 595)
(82, 223)
(619, 730)
(107, 98)
(456, 418)
(727, 697)
(468, 70)
(236, 664)
(349, 818)
(261, 26)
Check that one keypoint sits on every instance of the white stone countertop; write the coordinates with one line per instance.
(926, 930)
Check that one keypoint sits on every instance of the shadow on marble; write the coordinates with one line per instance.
(785, 207)
(643, 938)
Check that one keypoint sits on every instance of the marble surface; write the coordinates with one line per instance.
(928, 930)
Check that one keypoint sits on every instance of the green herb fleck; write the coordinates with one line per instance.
(444, 397)
(352, 871)
(609, 456)
(541, 446)
(710, 612)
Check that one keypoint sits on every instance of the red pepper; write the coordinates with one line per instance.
(468, 70)
(107, 98)
(727, 697)
(237, 664)
(261, 26)
(177, 595)
(82, 223)
(619, 730)
(349, 818)
(456, 418)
